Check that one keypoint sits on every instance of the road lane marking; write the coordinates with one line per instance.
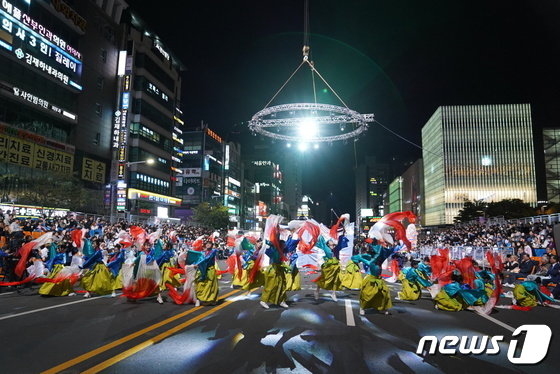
(497, 322)
(51, 307)
(349, 313)
(6, 293)
(137, 348)
(106, 347)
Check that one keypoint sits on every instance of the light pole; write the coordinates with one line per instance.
(114, 185)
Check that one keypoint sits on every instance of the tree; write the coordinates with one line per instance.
(215, 216)
(53, 190)
(508, 208)
(471, 210)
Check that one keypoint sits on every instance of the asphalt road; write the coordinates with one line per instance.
(111, 335)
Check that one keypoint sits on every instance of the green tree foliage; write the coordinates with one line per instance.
(52, 191)
(471, 210)
(214, 216)
(508, 208)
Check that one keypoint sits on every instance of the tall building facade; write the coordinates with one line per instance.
(477, 152)
(41, 66)
(395, 196)
(233, 179)
(201, 177)
(372, 181)
(551, 145)
(145, 121)
(413, 190)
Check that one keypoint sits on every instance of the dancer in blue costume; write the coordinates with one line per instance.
(330, 269)
(206, 279)
(374, 292)
(413, 280)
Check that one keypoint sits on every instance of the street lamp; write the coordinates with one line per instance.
(149, 161)
(114, 186)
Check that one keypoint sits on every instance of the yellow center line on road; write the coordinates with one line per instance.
(106, 347)
(129, 352)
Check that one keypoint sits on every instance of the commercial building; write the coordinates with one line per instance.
(202, 169)
(406, 192)
(372, 181)
(146, 120)
(477, 152)
(395, 196)
(249, 205)
(40, 83)
(551, 145)
(233, 177)
(413, 190)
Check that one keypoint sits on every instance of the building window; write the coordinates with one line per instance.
(100, 82)
(103, 55)
(98, 109)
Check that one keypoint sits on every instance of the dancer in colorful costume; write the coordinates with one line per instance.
(456, 296)
(275, 287)
(98, 279)
(330, 270)
(374, 292)
(206, 279)
(413, 280)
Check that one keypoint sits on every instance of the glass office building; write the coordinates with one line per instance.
(477, 152)
(551, 143)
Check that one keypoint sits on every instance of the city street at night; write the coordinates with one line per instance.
(112, 335)
(297, 186)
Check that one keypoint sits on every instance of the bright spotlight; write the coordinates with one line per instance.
(289, 145)
(316, 146)
(308, 128)
(302, 146)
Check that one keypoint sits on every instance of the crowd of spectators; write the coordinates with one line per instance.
(534, 239)
(16, 231)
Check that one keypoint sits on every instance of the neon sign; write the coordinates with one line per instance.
(38, 47)
(35, 100)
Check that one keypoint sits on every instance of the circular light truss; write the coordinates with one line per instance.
(282, 122)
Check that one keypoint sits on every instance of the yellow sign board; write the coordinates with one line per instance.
(93, 171)
(22, 152)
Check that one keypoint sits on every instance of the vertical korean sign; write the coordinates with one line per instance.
(120, 136)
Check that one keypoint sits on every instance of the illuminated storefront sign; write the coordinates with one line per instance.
(35, 100)
(234, 182)
(33, 211)
(178, 120)
(121, 197)
(135, 194)
(39, 47)
(152, 88)
(213, 135)
(160, 49)
(262, 163)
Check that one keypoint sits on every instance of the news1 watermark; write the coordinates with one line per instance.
(532, 351)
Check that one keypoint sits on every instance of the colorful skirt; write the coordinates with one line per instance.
(168, 277)
(448, 303)
(523, 297)
(239, 278)
(410, 290)
(207, 289)
(275, 287)
(63, 288)
(258, 280)
(375, 294)
(352, 277)
(293, 278)
(98, 280)
(330, 275)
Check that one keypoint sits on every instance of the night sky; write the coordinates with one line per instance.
(397, 59)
